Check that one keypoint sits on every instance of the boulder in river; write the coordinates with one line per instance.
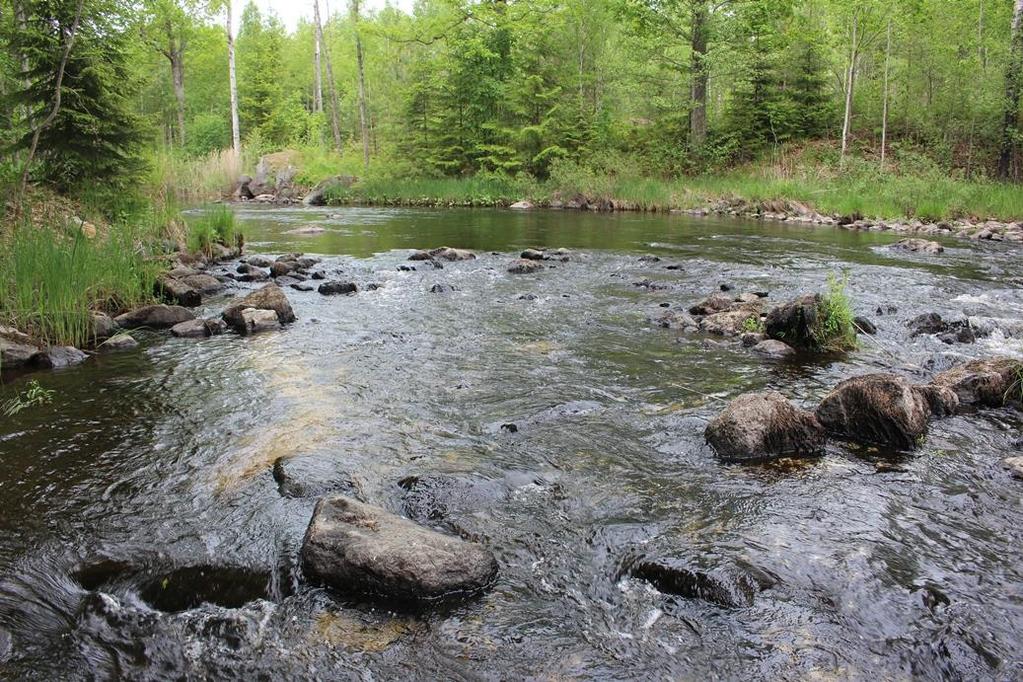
(118, 342)
(916, 245)
(154, 317)
(879, 409)
(864, 325)
(449, 254)
(989, 383)
(523, 266)
(57, 357)
(731, 322)
(1015, 465)
(719, 586)
(259, 261)
(335, 288)
(522, 205)
(176, 291)
(947, 331)
(715, 303)
(282, 268)
(103, 326)
(353, 547)
(757, 426)
(270, 297)
(795, 322)
(256, 321)
(532, 254)
(16, 348)
(203, 283)
(198, 328)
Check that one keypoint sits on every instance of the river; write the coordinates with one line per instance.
(142, 534)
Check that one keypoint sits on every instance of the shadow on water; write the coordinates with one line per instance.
(145, 537)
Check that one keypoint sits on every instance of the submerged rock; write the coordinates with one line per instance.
(881, 409)
(864, 325)
(989, 383)
(1015, 465)
(720, 586)
(310, 476)
(354, 547)
(335, 288)
(760, 425)
(918, 246)
(954, 331)
(523, 266)
(270, 297)
(774, 349)
(154, 317)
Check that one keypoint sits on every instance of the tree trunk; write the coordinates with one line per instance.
(58, 87)
(177, 62)
(1013, 89)
(317, 68)
(698, 74)
(850, 83)
(884, 114)
(236, 140)
(335, 123)
(363, 114)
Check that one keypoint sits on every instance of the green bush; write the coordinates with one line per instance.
(835, 329)
(217, 225)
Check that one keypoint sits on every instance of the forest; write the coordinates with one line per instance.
(521, 94)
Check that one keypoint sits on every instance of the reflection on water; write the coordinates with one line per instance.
(155, 465)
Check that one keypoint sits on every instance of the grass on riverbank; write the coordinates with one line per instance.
(217, 224)
(52, 281)
(880, 196)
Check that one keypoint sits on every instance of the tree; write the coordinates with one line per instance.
(363, 115)
(1013, 91)
(335, 122)
(168, 28)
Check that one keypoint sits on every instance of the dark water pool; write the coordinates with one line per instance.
(142, 535)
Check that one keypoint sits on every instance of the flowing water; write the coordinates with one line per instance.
(142, 534)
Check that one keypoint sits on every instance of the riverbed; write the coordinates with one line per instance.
(143, 535)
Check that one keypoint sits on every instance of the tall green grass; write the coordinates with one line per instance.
(52, 280)
(217, 224)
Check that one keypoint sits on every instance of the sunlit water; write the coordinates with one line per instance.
(152, 463)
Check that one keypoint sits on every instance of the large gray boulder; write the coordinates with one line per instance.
(757, 426)
(270, 297)
(16, 348)
(353, 547)
(990, 383)
(154, 316)
(58, 357)
(880, 409)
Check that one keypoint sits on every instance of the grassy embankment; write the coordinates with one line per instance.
(55, 270)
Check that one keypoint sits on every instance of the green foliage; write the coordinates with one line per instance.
(754, 325)
(34, 395)
(835, 329)
(52, 279)
(96, 136)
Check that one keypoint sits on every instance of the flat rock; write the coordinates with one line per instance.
(270, 297)
(989, 383)
(203, 283)
(353, 547)
(757, 426)
(879, 409)
(154, 317)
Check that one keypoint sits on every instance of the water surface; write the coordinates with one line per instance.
(151, 467)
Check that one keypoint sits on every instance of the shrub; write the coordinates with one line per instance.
(835, 330)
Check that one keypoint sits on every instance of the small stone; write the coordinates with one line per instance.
(523, 266)
(865, 326)
(1015, 465)
(774, 349)
(118, 342)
